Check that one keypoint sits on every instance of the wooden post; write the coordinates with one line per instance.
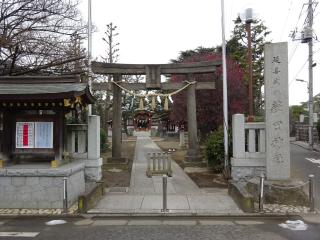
(193, 154)
(59, 135)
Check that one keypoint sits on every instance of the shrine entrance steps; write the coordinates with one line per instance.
(145, 194)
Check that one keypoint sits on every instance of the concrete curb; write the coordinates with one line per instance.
(310, 218)
(9, 216)
(168, 215)
(193, 215)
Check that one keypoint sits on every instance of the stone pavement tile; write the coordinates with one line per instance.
(83, 222)
(111, 211)
(158, 185)
(204, 202)
(109, 222)
(142, 191)
(180, 222)
(215, 222)
(248, 222)
(142, 183)
(145, 222)
(156, 202)
(213, 203)
(220, 191)
(183, 187)
(120, 201)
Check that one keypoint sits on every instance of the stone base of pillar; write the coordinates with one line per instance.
(93, 169)
(193, 158)
(117, 160)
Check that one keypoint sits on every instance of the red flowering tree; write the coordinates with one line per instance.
(210, 102)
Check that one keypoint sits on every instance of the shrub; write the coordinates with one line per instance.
(215, 149)
(318, 127)
(103, 140)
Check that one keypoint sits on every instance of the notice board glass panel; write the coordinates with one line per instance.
(43, 134)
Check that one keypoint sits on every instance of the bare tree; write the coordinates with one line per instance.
(111, 56)
(38, 34)
(112, 45)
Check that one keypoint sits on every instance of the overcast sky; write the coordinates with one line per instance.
(154, 31)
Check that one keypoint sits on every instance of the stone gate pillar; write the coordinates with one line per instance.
(193, 154)
(277, 111)
(116, 122)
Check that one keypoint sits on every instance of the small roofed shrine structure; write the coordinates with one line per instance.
(142, 120)
(43, 140)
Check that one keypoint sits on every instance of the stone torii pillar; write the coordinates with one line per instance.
(193, 153)
(116, 122)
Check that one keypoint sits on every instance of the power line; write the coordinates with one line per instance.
(296, 26)
(285, 22)
(293, 79)
(293, 52)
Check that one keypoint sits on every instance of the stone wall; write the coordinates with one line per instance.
(40, 187)
(302, 133)
(246, 172)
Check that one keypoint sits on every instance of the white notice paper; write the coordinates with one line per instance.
(43, 134)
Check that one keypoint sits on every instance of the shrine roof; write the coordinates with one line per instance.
(43, 88)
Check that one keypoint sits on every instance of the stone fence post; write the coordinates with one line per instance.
(94, 162)
(238, 136)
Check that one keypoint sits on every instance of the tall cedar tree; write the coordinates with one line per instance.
(209, 102)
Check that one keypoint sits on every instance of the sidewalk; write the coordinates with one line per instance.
(316, 147)
(145, 194)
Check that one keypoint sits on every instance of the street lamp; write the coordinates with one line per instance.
(310, 105)
(301, 80)
(248, 19)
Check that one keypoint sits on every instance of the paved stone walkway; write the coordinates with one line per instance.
(145, 194)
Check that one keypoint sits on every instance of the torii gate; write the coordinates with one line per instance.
(153, 82)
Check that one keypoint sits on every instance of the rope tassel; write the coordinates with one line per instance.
(166, 104)
(141, 104)
(153, 103)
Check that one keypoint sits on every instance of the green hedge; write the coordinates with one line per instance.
(103, 141)
(318, 127)
(215, 148)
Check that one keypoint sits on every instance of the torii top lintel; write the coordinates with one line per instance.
(153, 71)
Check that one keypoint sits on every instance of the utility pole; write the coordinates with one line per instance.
(89, 52)
(249, 20)
(225, 94)
(307, 37)
(310, 43)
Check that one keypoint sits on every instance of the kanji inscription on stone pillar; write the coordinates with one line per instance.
(277, 111)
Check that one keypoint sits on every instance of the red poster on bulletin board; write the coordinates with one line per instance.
(25, 135)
